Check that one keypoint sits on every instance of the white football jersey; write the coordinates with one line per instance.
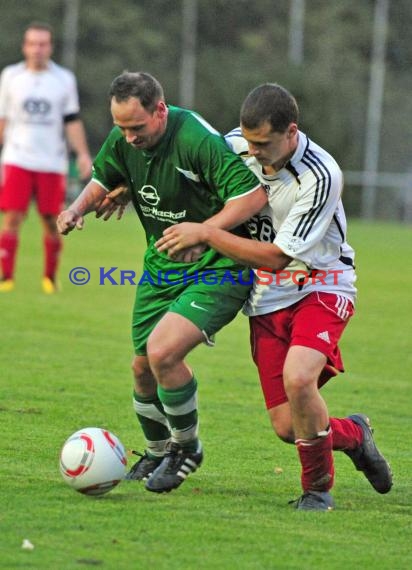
(305, 219)
(34, 105)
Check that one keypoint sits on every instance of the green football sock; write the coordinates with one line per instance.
(152, 418)
(180, 406)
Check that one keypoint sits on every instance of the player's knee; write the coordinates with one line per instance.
(137, 367)
(144, 382)
(161, 357)
(12, 222)
(298, 383)
(50, 225)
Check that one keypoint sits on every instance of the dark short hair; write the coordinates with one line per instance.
(140, 85)
(269, 103)
(43, 26)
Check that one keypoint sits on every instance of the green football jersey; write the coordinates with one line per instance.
(188, 176)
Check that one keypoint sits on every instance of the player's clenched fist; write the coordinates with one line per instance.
(68, 220)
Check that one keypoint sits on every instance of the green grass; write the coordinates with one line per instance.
(65, 365)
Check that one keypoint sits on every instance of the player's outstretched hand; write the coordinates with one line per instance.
(68, 220)
(116, 200)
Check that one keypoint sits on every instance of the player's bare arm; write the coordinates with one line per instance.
(243, 250)
(239, 210)
(2, 127)
(90, 198)
(77, 139)
(234, 213)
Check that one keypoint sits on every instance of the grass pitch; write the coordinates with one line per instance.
(65, 365)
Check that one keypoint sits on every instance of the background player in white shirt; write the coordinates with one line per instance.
(303, 293)
(39, 108)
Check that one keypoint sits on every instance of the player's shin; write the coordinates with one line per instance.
(180, 406)
(154, 424)
(8, 247)
(317, 462)
(52, 249)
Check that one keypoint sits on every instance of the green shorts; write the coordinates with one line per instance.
(208, 306)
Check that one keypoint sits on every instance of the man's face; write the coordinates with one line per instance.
(270, 148)
(141, 128)
(37, 48)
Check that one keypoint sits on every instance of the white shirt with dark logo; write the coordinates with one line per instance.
(306, 220)
(34, 105)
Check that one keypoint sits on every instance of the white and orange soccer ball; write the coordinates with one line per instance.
(93, 461)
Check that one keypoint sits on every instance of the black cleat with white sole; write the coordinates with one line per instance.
(174, 469)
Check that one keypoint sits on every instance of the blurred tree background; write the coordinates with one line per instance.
(239, 45)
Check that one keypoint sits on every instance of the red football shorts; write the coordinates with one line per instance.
(317, 321)
(20, 186)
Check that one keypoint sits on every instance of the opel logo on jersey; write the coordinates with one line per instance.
(37, 106)
(149, 195)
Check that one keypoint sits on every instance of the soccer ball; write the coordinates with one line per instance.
(93, 461)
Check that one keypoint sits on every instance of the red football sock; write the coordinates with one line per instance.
(52, 248)
(8, 247)
(317, 462)
(345, 433)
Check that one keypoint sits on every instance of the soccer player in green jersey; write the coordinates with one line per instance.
(177, 168)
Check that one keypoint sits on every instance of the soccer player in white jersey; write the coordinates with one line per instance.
(39, 108)
(303, 293)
